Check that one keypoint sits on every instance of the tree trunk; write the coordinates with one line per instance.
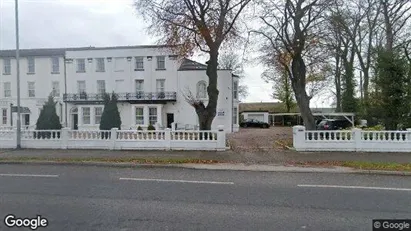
(298, 80)
(337, 82)
(207, 114)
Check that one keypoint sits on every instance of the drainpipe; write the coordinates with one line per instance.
(65, 91)
(232, 102)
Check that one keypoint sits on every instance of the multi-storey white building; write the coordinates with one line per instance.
(150, 82)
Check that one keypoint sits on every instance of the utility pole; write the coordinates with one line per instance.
(18, 75)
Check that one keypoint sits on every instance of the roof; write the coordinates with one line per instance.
(188, 65)
(61, 51)
(271, 107)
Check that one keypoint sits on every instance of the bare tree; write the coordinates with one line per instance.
(396, 13)
(294, 26)
(190, 25)
(231, 60)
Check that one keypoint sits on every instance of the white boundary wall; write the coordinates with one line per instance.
(115, 139)
(355, 140)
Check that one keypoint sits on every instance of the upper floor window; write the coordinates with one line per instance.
(161, 62)
(55, 65)
(101, 86)
(31, 65)
(32, 89)
(56, 89)
(6, 66)
(160, 84)
(7, 89)
(202, 90)
(139, 63)
(81, 87)
(81, 65)
(139, 86)
(235, 90)
(100, 65)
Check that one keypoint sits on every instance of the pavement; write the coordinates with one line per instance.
(98, 198)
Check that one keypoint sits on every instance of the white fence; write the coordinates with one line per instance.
(116, 139)
(355, 140)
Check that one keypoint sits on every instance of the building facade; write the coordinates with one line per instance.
(150, 81)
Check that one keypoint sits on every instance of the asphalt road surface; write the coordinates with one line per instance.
(101, 198)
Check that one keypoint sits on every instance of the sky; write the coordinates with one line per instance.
(79, 23)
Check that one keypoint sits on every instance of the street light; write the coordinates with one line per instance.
(18, 74)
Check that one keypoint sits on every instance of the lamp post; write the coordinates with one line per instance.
(18, 74)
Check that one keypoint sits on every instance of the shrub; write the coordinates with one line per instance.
(48, 120)
(151, 128)
(111, 116)
(139, 128)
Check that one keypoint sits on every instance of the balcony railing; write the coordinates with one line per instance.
(127, 97)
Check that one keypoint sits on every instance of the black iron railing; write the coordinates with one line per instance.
(130, 96)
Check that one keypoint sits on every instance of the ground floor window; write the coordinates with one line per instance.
(235, 112)
(86, 115)
(4, 116)
(98, 111)
(139, 115)
(152, 115)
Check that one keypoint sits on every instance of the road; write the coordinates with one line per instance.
(102, 198)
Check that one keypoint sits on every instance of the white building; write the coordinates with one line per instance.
(150, 82)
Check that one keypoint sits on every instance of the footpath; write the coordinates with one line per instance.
(273, 160)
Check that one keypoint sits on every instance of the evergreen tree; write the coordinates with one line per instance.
(48, 119)
(391, 76)
(111, 116)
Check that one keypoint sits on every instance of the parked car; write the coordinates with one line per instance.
(333, 124)
(254, 123)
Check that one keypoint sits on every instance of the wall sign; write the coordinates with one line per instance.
(220, 112)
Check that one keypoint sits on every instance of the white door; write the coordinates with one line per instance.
(259, 117)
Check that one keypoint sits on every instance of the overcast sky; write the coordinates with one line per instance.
(77, 23)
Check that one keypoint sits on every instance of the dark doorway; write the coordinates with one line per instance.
(75, 121)
(27, 119)
(170, 119)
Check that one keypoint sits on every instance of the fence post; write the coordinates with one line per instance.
(220, 138)
(357, 139)
(113, 138)
(299, 137)
(167, 138)
(409, 137)
(64, 138)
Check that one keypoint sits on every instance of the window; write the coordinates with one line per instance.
(81, 65)
(100, 65)
(101, 87)
(55, 65)
(119, 64)
(4, 116)
(139, 86)
(139, 63)
(160, 84)
(32, 89)
(6, 66)
(235, 90)
(235, 112)
(161, 62)
(98, 111)
(202, 90)
(81, 87)
(56, 88)
(86, 115)
(152, 115)
(139, 115)
(31, 66)
(7, 89)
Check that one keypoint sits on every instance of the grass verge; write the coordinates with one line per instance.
(111, 160)
(359, 165)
